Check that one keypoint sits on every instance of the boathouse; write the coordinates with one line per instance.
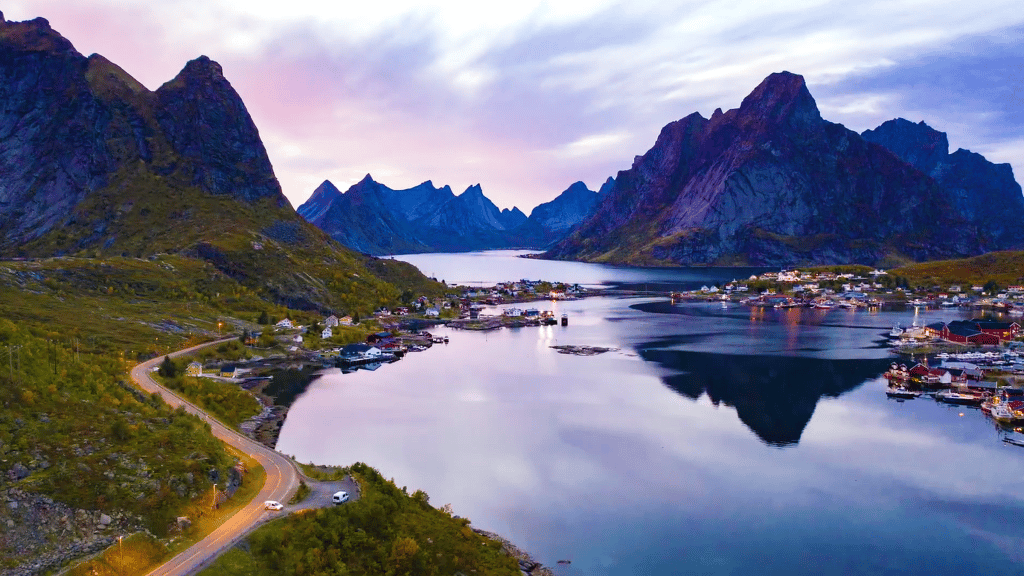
(966, 332)
(1004, 330)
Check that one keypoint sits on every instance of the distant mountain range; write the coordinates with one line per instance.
(92, 163)
(375, 219)
(772, 183)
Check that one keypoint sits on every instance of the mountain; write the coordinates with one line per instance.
(375, 219)
(319, 202)
(92, 163)
(361, 219)
(976, 184)
(372, 218)
(772, 183)
(568, 209)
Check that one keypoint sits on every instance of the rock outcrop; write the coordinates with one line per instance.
(772, 183)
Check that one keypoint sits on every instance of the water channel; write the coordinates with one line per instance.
(713, 439)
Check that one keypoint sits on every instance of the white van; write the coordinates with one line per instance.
(340, 497)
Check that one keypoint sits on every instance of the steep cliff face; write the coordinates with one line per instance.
(213, 136)
(772, 183)
(52, 131)
(982, 192)
(76, 130)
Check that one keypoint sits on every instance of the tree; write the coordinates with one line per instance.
(168, 369)
(244, 337)
(264, 318)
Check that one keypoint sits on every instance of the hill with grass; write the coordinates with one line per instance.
(1001, 269)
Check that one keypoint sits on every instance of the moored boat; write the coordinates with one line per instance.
(953, 397)
(902, 392)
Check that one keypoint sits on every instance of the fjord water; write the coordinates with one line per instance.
(714, 439)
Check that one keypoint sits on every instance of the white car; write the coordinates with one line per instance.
(272, 505)
(340, 497)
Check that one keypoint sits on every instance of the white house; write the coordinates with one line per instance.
(327, 333)
(331, 321)
(345, 321)
(432, 312)
(297, 339)
(286, 323)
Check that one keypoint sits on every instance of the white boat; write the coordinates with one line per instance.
(896, 331)
(1002, 413)
(902, 392)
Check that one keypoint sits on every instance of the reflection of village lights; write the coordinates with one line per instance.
(961, 414)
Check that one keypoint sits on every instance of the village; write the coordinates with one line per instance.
(349, 342)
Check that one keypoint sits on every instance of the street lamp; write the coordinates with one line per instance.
(213, 505)
(120, 551)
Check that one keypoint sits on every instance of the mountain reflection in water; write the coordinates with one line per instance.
(774, 396)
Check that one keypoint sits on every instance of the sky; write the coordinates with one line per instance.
(527, 97)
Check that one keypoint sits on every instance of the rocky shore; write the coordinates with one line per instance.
(527, 565)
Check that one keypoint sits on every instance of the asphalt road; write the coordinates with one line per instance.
(321, 494)
(282, 479)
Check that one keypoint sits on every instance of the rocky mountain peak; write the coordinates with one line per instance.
(201, 69)
(782, 99)
(919, 145)
(34, 36)
(577, 187)
(474, 190)
(316, 206)
(110, 81)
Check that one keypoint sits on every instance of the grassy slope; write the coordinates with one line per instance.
(1004, 268)
(385, 532)
(88, 320)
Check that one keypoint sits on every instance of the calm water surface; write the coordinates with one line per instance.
(713, 440)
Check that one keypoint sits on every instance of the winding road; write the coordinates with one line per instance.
(281, 483)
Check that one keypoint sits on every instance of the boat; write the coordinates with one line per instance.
(1003, 414)
(902, 392)
(896, 331)
(1013, 441)
(953, 397)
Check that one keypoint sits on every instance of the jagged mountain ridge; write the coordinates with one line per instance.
(92, 163)
(977, 185)
(375, 219)
(772, 183)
